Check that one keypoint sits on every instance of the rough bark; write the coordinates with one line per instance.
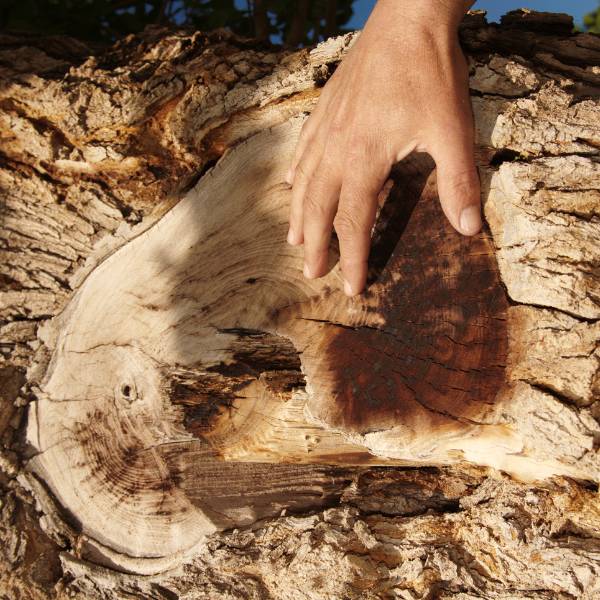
(158, 338)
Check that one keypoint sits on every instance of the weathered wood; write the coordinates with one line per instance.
(167, 341)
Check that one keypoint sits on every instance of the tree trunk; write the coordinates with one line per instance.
(261, 20)
(185, 416)
(296, 34)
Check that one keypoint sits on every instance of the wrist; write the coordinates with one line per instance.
(432, 15)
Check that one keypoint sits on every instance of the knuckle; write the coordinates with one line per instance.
(313, 206)
(346, 224)
(354, 160)
(300, 173)
(463, 182)
(319, 178)
(326, 173)
(353, 205)
(362, 154)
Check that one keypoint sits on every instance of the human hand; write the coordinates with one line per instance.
(402, 87)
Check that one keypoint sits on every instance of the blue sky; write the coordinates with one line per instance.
(496, 8)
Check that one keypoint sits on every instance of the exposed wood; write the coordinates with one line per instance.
(159, 334)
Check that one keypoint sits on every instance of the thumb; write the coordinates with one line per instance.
(458, 184)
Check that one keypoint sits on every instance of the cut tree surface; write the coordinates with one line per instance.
(201, 332)
(191, 379)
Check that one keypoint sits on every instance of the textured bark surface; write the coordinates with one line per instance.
(157, 334)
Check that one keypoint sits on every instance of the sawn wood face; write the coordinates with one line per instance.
(428, 346)
(441, 341)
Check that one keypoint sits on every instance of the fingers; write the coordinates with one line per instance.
(353, 224)
(306, 134)
(321, 199)
(458, 182)
(304, 170)
(320, 205)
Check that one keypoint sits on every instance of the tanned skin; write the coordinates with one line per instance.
(402, 87)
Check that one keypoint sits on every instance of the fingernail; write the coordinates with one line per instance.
(288, 176)
(348, 289)
(470, 219)
(290, 237)
(307, 272)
